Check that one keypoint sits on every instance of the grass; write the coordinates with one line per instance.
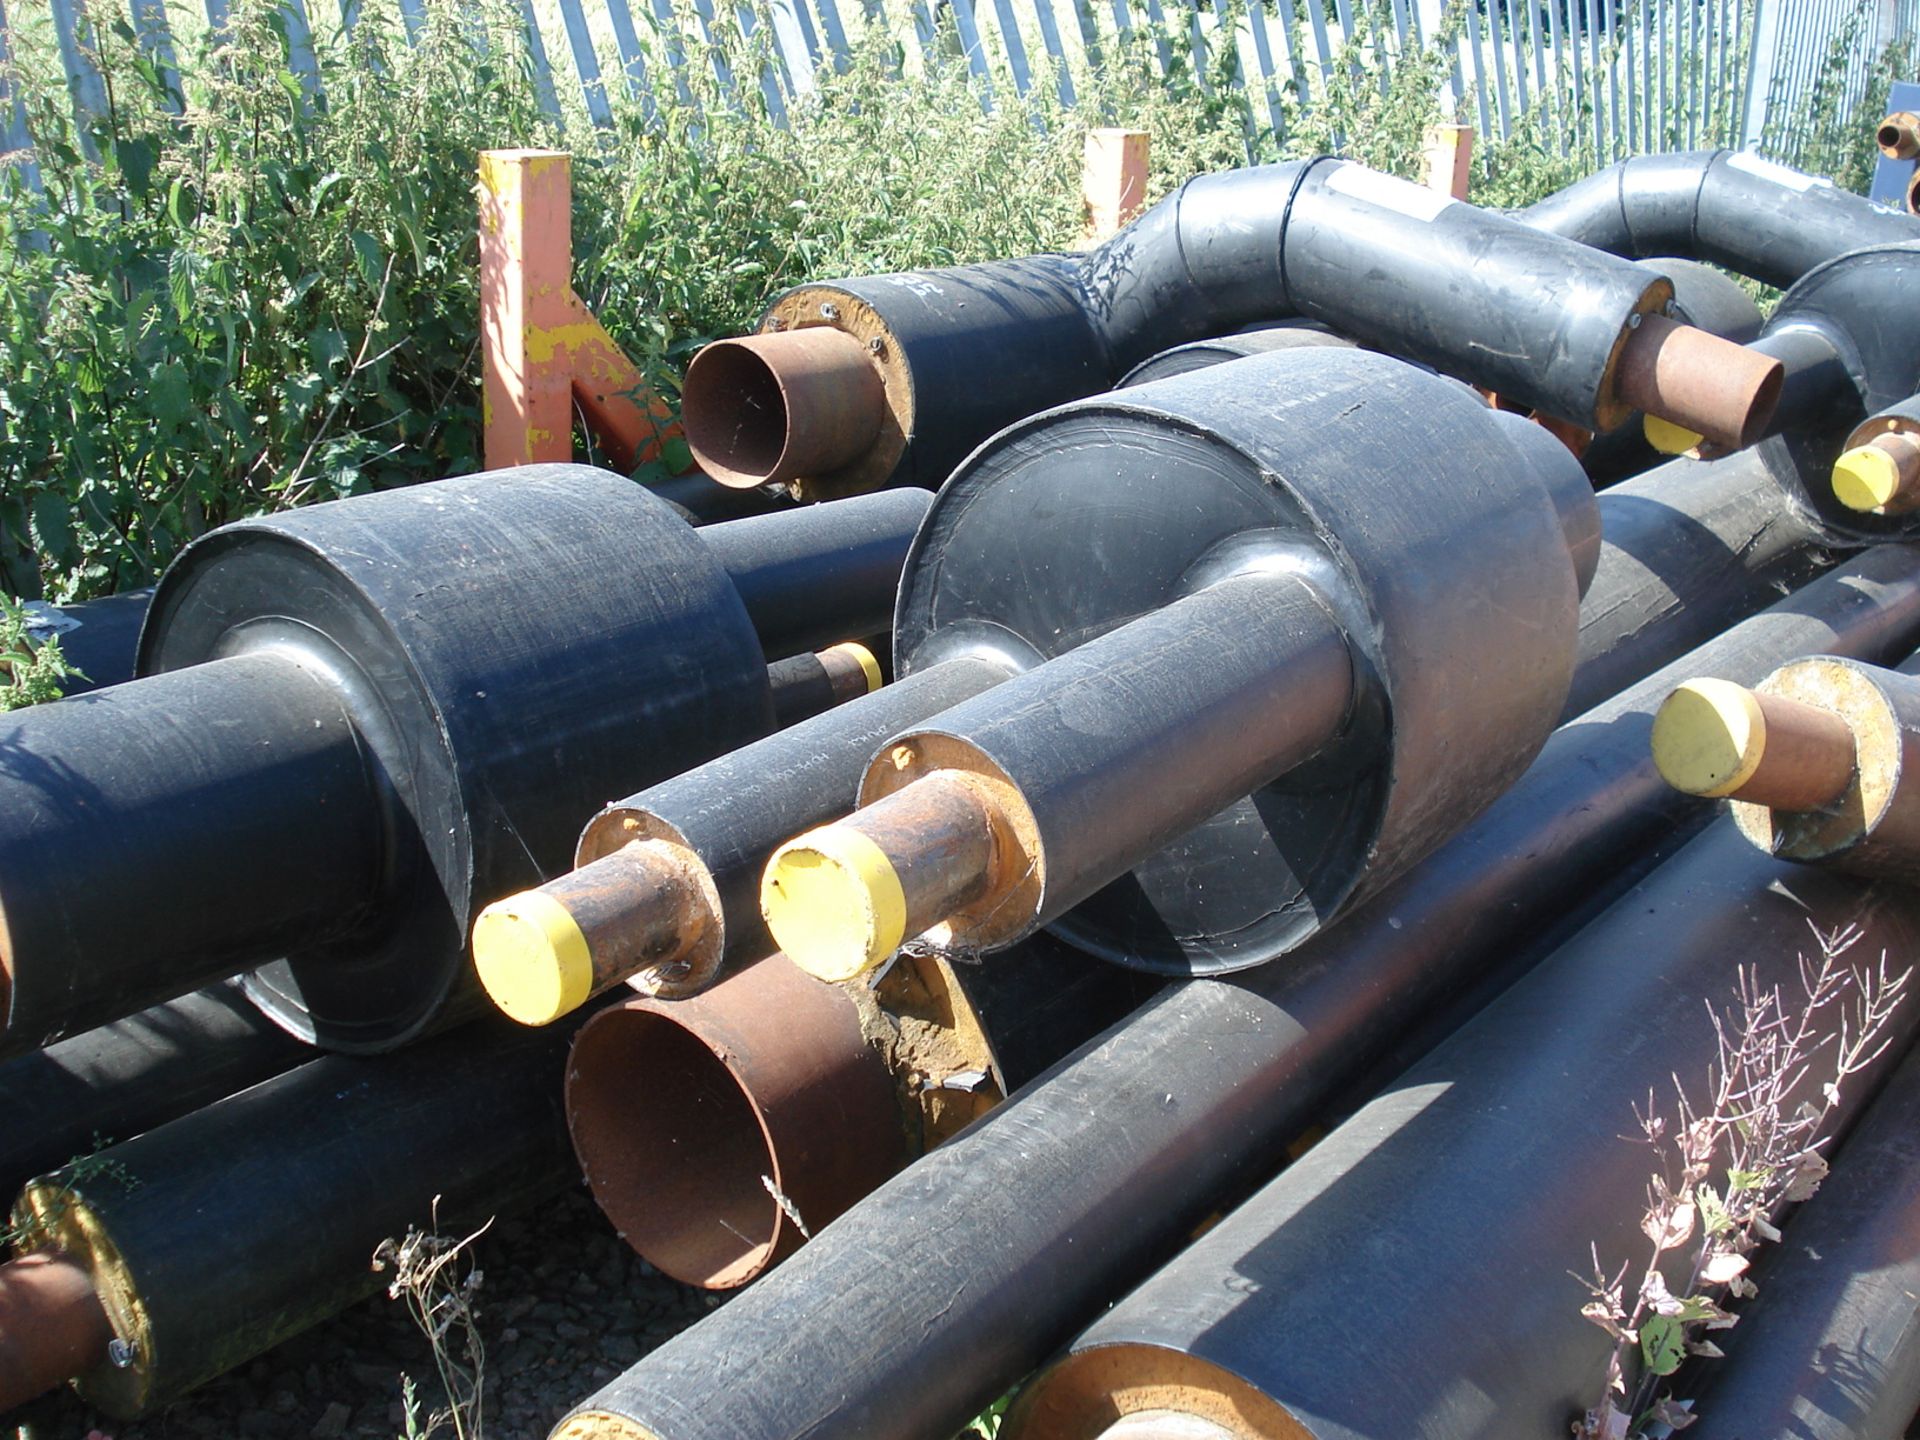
(235, 297)
(262, 300)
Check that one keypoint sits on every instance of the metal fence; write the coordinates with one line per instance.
(1604, 78)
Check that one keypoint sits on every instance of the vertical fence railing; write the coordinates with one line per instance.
(1600, 78)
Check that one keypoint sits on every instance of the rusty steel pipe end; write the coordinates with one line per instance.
(1899, 135)
(718, 1132)
(52, 1325)
(1714, 738)
(1698, 382)
(774, 409)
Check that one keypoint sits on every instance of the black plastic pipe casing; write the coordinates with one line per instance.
(1731, 208)
(1830, 1349)
(965, 352)
(1400, 267)
(123, 1079)
(211, 778)
(1814, 383)
(1387, 263)
(738, 808)
(1123, 744)
(1689, 548)
(1460, 613)
(360, 721)
(215, 1237)
(816, 575)
(1486, 1171)
(1195, 1096)
(1199, 354)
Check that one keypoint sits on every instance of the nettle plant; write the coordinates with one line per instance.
(1727, 1168)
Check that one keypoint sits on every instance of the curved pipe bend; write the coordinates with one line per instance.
(1733, 208)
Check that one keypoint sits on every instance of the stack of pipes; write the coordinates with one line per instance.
(1271, 736)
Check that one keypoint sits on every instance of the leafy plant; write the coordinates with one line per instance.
(31, 669)
(1772, 1091)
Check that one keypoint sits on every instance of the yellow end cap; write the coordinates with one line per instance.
(1667, 437)
(861, 656)
(1708, 737)
(532, 958)
(833, 902)
(1865, 478)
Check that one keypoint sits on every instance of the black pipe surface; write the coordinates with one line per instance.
(362, 720)
(1490, 1168)
(236, 798)
(964, 352)
(215, 1237)
(1830, 1348)
(123, 1079)
(1041, 1219)
(1732, 208)
(1689, 548)
(813, 576)
(1292, 462)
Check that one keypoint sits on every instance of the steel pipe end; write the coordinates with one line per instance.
(853, 668)
(1899, 135)
(773, 409)
(1143, 1391)
(601, 1425)
(1715, 738)
(648, 913)
(532, 958)
(52, 1325)
(1723, 392)
(1881, 477)
(719, 1132)
(833, 901)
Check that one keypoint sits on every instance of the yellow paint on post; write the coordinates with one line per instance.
(834, 903)
(532, 958)
(1709, 737)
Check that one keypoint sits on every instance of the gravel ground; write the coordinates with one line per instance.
(563, 1307)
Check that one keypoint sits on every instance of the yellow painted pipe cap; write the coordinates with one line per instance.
(1865, 478)
(834, 903)
(1667, 437)
(1708, 737)
(532, 958)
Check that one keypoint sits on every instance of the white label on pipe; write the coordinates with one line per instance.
(1764, 169)
(1389, 192)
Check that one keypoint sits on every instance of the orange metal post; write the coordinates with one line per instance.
(1446, 159)
(1113, 180)
(541, 348)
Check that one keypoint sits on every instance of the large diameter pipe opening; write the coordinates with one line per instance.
(718, 1132)
(772, 409)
